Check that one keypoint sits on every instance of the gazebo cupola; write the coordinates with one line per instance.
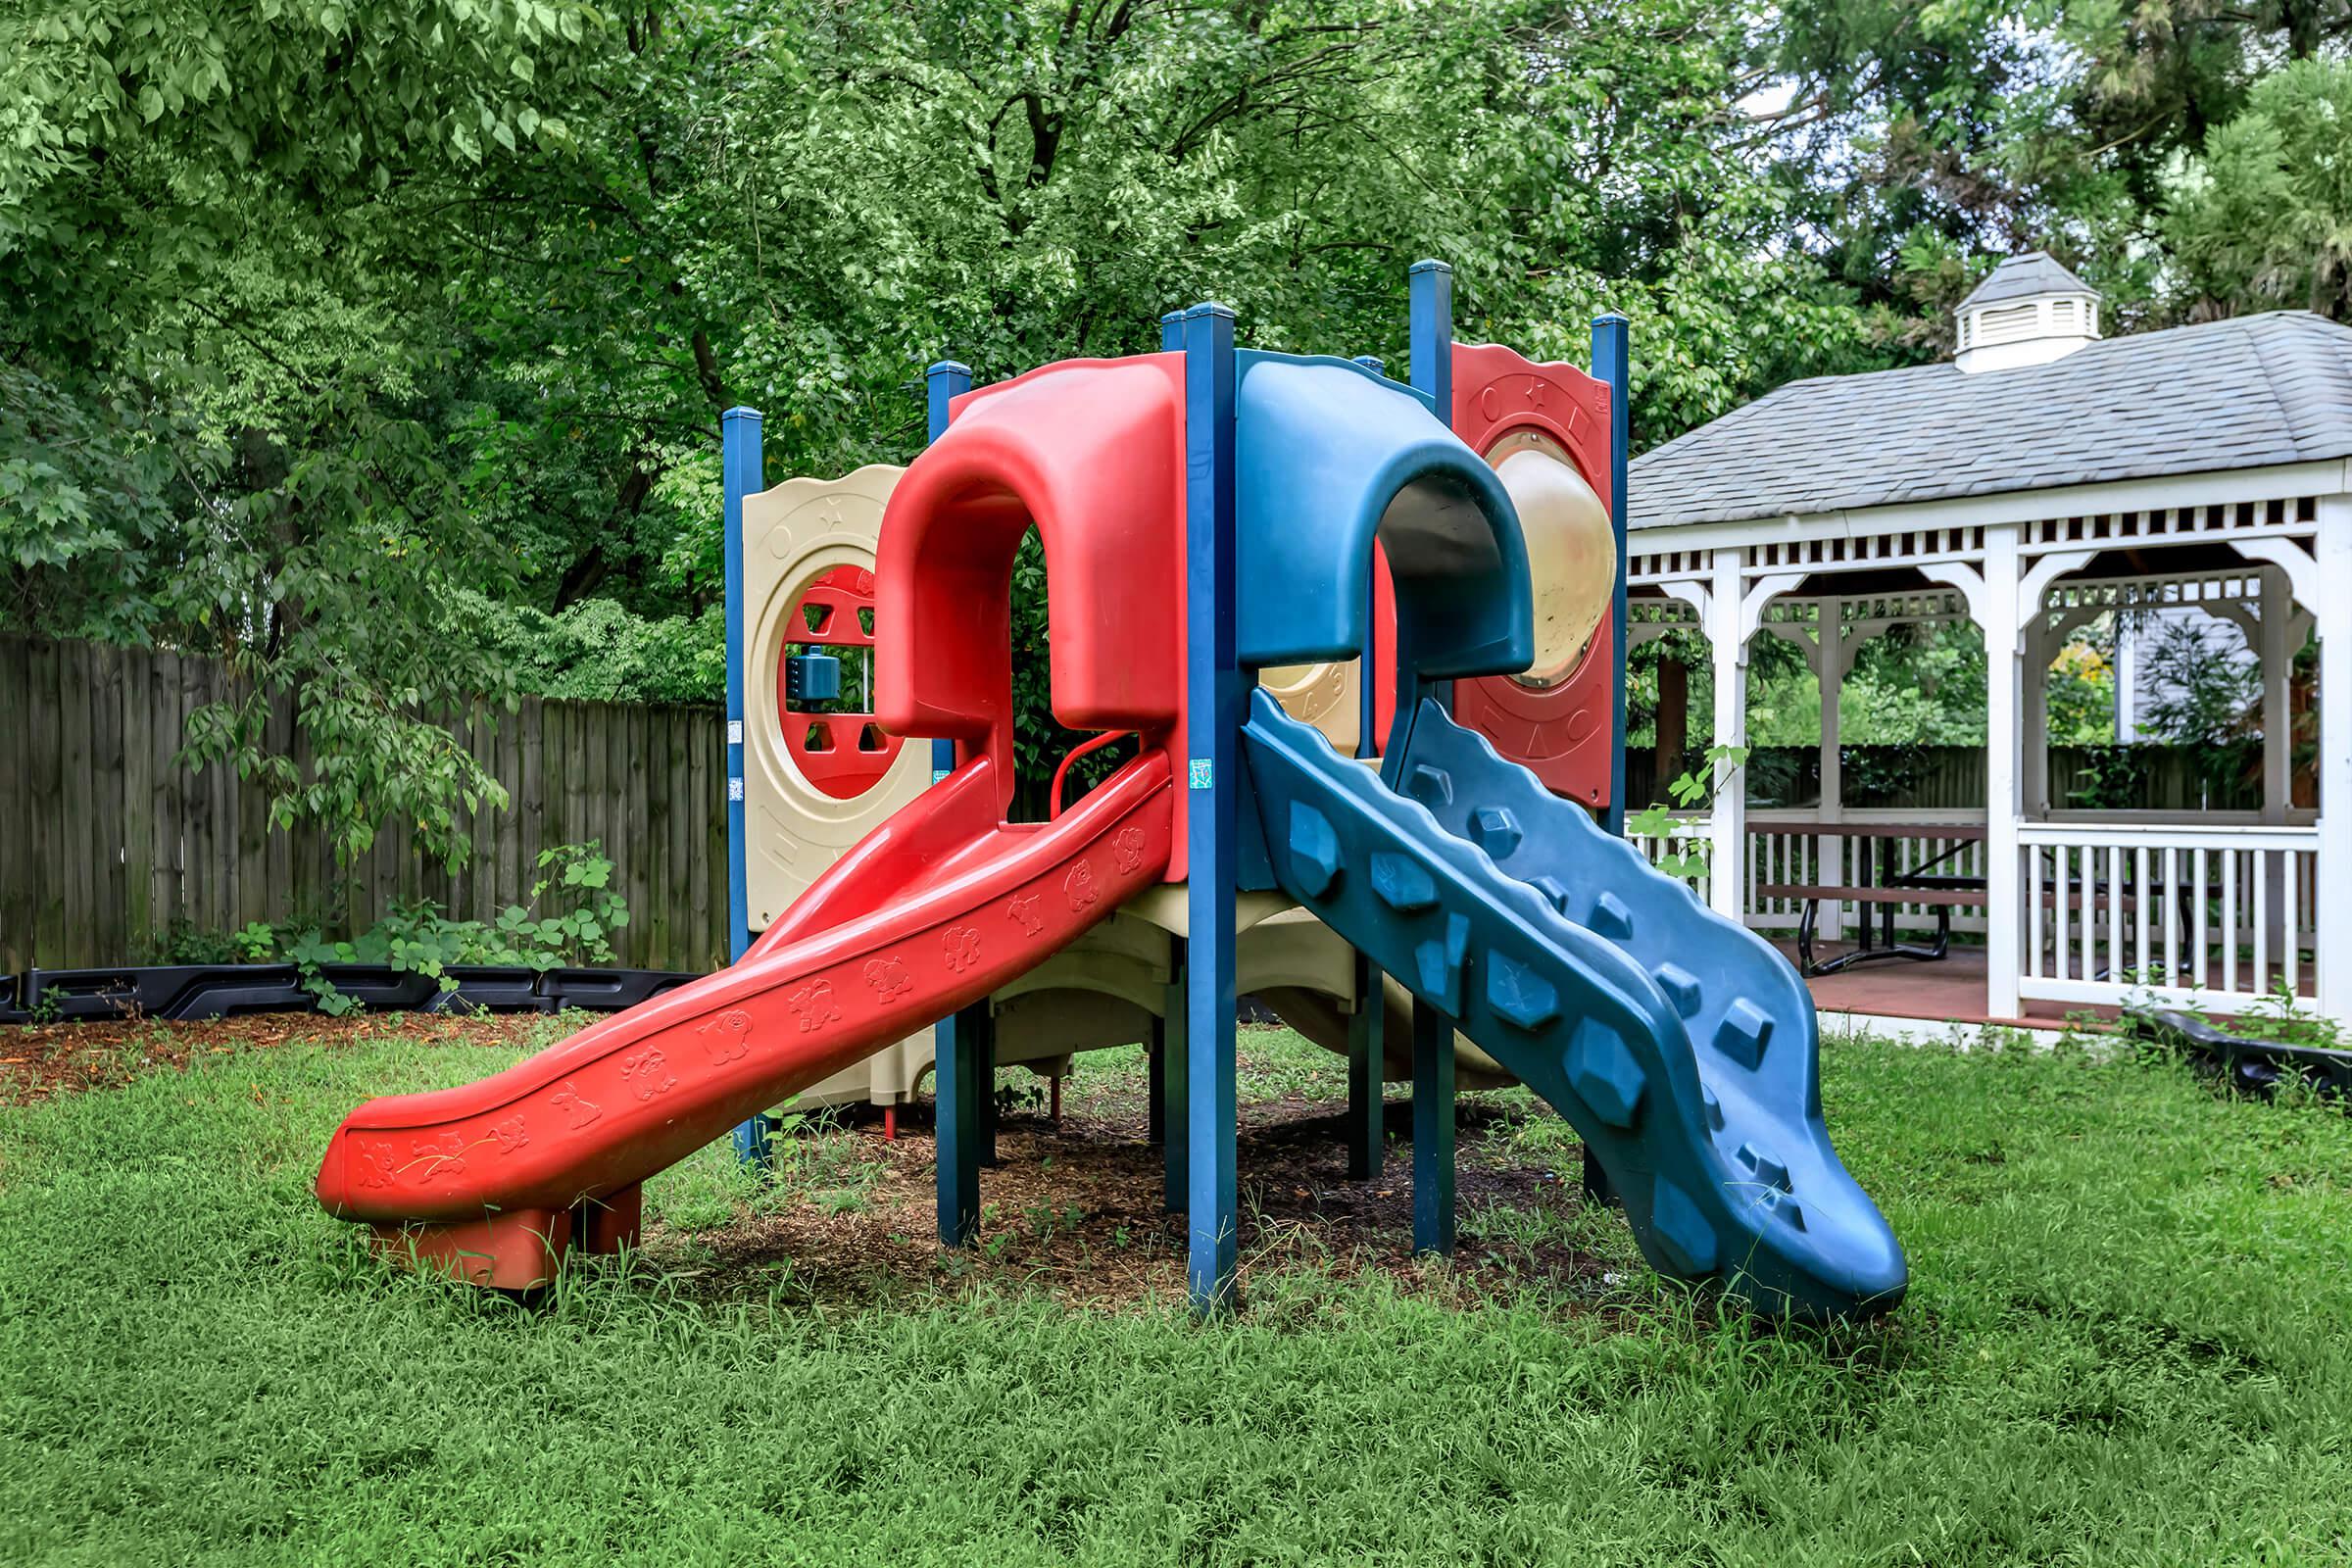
(2029, 312)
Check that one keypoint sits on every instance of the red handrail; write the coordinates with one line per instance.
(1054, 806)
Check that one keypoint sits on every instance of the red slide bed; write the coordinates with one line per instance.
(938, 907)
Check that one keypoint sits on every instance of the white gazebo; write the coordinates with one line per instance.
(2043, 477)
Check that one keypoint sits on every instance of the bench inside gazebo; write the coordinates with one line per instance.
(2044, 481)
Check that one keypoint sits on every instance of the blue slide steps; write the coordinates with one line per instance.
(1679, 1046)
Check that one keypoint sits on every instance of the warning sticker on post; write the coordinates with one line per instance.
(1203, 774)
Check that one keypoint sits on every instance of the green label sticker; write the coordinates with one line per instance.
(1201, 778)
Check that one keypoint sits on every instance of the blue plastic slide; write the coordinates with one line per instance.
(1682, 1048)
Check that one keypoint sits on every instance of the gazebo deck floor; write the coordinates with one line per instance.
(1948, 990)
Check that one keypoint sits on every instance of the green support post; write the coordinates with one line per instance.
(1367, 1063)
(1156, 1083)
(1176, 1143)
(958, 1096)
(1433, 1130)
(983, 1029)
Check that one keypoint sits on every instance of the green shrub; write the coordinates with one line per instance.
(570, 917)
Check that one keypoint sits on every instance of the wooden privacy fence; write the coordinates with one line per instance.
(2153, 777)
(109, 848)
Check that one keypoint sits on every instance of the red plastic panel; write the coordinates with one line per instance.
(1384, 649)
(1560, 733)
(835, 751)
(1091, 452)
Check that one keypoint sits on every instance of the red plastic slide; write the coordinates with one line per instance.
(937, 908)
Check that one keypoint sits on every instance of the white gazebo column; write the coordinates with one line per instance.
(2333, 957)
(1727, 858)
(2278, 667)
(1829, 666)
(2003, 758)
(2126, 677)
(2035, 720)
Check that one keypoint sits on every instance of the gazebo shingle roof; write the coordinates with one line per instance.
(2244, 392)
(2023, 277)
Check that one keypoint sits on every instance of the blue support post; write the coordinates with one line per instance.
(1173, 1088)
(1611, 366)
(963, 1052)
(1433, 1130)
(1430, 297)
(739, 464)
(1166, 1089)
(1367, 1026)
(1171, 332)
(1612, 363)
(1214, 693)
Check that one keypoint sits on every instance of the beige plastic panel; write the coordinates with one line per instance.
(792, 535)
(1322, 695)
(1105, 991)
(1571, 550)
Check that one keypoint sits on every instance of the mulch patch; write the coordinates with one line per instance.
(1077, 1211)
(1074, 1209)
(41, 1061)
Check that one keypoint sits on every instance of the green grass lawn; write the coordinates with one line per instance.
(2128, 1340)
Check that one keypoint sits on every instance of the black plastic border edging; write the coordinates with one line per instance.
(184, 991)
(2253, 1066)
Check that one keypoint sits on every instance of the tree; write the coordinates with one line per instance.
(221, 421)
(1931, 140)
(2263, 219)
(355, 337)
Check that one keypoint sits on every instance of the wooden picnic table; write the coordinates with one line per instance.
(1920, 887)
(1888, 890)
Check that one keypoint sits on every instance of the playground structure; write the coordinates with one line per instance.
(818, 773)
(1252, 555)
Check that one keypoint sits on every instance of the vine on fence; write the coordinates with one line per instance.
(570, 919)
(1654, 822)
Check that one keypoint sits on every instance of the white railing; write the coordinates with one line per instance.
(1690, 840)
(2210, 916)
(1823, 860)
(1785, 857)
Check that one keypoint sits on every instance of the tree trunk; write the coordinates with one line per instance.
(1674, 721)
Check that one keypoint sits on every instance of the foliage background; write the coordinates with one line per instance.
(379, 347)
